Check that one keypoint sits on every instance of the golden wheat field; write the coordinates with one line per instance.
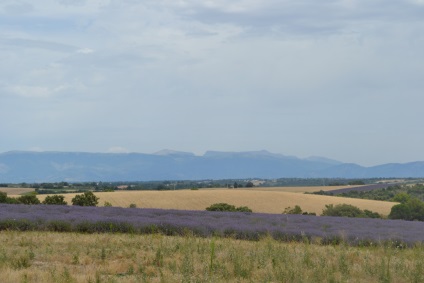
(258, 200)
(16, 191)
(309, 189)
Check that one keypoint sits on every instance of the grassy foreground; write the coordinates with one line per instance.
(73, 257)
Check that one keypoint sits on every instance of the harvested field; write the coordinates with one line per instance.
(16, 191)
(258, 201)
(309, 189)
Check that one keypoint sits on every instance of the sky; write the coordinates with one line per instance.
(342, 79)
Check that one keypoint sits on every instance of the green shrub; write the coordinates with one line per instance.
(28, 199)
(3, 197)
(86, 199)
(347, 210)
(413, 209)
(295, 210)
(227, 207)
(55, 199)
(10, 200)
(243, 209)
(401, 197)
(221, 207)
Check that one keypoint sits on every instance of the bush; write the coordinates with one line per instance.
(344, 210)
(3, 197)
(227, 207)
(295, 210)
(413, 209)
(10, 200)
(347, 210)
(401, 197)
(56, 200)
(221, 207)
(86, 199)
(249, 185)
(28, 199)
(243, 209)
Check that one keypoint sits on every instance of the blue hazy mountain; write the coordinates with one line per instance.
(24, 166)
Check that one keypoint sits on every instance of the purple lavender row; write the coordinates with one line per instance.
(209, 223)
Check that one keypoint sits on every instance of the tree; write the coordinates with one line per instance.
(344, 210)
(3, 197)
(86, 199)
(227, 207)
(55, 199)
(28, 199)
(295, 210)
(243, 209)
(401, 197)
(249, 184)
(221, 207)
(413, 209)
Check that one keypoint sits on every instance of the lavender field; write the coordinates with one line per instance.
(250, 226)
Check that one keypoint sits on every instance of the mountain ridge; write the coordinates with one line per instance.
(56, 166)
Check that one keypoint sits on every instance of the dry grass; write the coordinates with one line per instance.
(258, 200)
(67, 257)
(16, 191)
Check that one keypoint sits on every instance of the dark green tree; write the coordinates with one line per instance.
(413, 209)
(249, 184)
(3, 197)
(55, 199)
(243, 209)
(227, 207)
(295, 210)
(221, 207)
(86, 199)
(402, 197)
(28, 199)
(347, 210)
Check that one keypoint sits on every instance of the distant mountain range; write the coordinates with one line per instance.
(25, 166)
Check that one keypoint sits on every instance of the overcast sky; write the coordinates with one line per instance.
(342, 79)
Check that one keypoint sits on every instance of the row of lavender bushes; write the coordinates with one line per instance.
(239, 225)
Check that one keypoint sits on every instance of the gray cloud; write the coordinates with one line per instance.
(335, 78)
